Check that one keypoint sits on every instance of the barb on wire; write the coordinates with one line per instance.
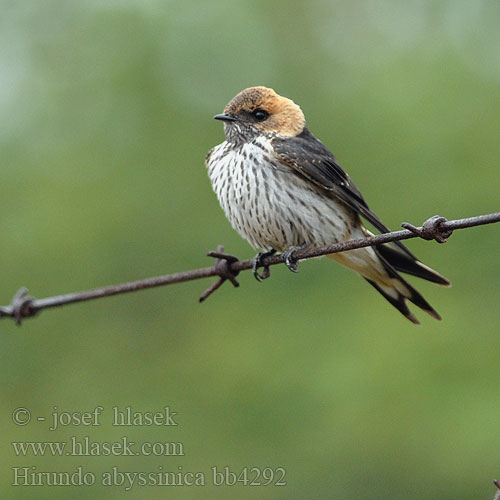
(228, 266)
(223, 267)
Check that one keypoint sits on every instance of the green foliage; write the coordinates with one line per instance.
(105, 118)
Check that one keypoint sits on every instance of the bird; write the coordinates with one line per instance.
(282, 190)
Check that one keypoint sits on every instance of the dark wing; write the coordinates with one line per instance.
(312, 160)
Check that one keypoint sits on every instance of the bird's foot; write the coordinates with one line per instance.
(257, 262)
(288, 258)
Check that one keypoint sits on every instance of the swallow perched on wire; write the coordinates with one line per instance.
(282, 190)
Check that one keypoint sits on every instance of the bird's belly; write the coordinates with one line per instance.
(272, 207)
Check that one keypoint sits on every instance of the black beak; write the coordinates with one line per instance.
(224, 117)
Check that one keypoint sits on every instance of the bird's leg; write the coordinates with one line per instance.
(257, 262)
(288, 258)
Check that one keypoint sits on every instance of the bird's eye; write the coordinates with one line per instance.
(260, 115)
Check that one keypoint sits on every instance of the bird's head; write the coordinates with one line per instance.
(259, 111)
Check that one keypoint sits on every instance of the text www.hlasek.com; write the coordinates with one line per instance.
(85, 447)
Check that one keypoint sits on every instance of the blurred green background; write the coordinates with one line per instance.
(105, 118)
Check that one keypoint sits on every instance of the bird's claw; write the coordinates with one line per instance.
(289, 259)
(257, 262)
(261, 276)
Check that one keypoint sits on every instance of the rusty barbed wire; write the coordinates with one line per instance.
(228, 266)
